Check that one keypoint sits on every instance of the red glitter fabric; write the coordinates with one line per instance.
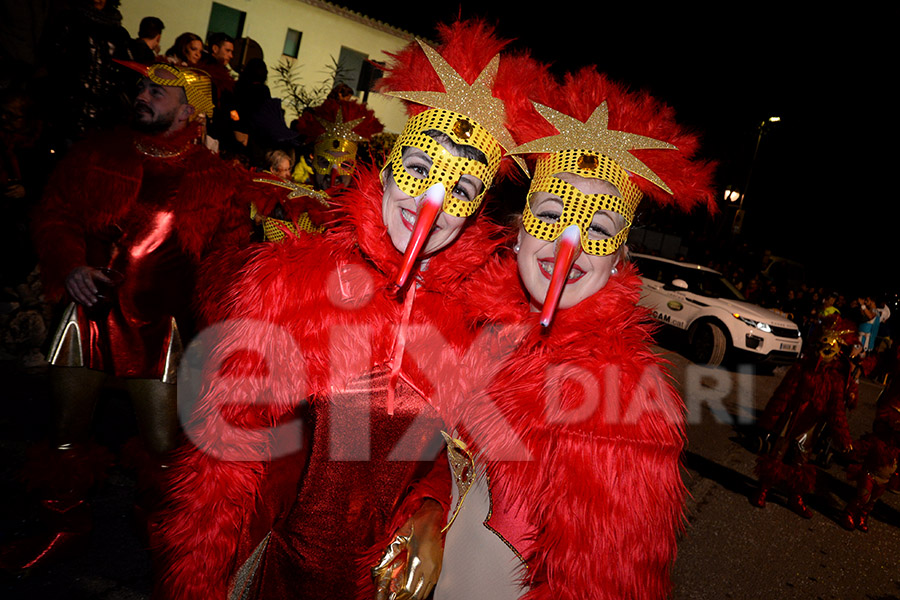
(341, 504)
(150, 219)
(157, 283)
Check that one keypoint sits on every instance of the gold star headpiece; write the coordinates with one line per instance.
(297, 190)
(275, 230)
(339, 129)
(337, 138)
(595, 137)
(472, 102)
(593, 151)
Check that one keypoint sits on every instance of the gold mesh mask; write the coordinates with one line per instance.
(609, 160)
(338, 137)
(579, 208)
(195, 83)
(831, 343)
(344, 164)
(445, 167)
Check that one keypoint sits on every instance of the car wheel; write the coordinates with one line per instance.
(708, 344)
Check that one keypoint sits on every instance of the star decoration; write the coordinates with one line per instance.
(339, 129)
(297, 190)
(474, 101)
(595, 135)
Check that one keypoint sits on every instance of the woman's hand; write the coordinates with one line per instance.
(411, 564)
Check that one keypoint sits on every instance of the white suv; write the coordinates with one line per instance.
(715, 316)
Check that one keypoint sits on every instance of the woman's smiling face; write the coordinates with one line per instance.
(536, 258)
(399, 210)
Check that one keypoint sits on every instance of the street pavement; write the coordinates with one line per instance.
(729, 548)
(732, 549)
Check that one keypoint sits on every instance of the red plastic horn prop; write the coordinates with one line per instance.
(428, 212)
(567, 250)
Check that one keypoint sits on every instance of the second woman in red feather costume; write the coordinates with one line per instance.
(566, 456)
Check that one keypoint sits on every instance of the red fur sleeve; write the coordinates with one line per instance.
(254, 376)
(611, 506)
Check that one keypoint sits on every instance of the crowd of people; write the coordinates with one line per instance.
(82, 57)
(348, 381)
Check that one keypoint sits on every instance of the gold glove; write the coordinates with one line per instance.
(411, 565)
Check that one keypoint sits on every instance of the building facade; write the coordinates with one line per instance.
(313, 33)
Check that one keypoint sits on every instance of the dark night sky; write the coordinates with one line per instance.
(814, 195)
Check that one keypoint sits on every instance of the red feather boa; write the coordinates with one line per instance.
(602, 492)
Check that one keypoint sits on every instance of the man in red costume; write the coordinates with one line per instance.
(124, 223)
(816, 392)
(345, 320)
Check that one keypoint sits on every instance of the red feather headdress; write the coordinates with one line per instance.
(672, 164)
(334, 116)
(469, 47)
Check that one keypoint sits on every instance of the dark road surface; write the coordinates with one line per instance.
(730, 549)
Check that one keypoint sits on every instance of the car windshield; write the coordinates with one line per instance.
(709, 284)
(705, 283)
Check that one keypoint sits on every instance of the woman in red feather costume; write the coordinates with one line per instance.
(345, 320)
(566, 456)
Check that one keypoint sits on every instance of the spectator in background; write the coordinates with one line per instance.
(260, 123)
(87, 85)
(868, 325)
(186, 51)
(753, 291)
(828, 307)
(883, 311)
(341, 91)
(280, 164)
(24, 166)
(145, 47)
(215, 62)
(221, 48)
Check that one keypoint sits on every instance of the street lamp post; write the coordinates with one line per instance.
(761, 127)
(739, 214)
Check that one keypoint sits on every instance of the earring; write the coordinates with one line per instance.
(517, 247)
(614, 271)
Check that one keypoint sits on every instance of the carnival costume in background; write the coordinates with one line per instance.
(321, 318)
(566, 453)
(337, 127)
(876, 456)
(147, 209)
(816, 392)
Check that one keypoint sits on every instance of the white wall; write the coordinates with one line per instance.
(267, 23)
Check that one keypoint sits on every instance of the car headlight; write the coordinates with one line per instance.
(764, 327)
